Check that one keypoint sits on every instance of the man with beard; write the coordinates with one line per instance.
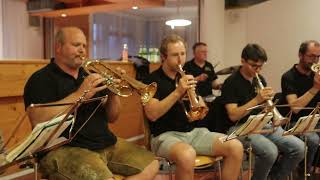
(300, 87)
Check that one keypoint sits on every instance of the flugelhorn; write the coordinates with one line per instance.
(198, 108)
(127, 84)
(277, 119)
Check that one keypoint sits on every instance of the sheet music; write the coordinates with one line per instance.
(302, 124)
(38, 137)
(254, 123)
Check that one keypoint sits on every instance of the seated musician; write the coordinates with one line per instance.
(173, 136)
(95, 152)
(300, 86)
(202, 70)
(239, 92)
(206, 78)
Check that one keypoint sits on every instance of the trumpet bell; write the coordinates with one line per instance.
(147, 92)
(315, 68)
(197, 113)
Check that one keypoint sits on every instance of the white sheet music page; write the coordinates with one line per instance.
(302, 124)
(38, 137)
(254, 123)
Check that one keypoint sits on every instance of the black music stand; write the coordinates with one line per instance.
(34, 148)
(305, 124)
(254, 125)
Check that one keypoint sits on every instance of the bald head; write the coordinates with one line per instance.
(66, 32)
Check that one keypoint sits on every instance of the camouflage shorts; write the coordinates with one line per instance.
(76, 163)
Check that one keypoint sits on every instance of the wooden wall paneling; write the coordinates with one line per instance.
(11, 110)
(13, 76)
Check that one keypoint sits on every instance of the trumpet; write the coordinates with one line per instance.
(126, 86)
(198, 108)
(278, 119)
(315, 68)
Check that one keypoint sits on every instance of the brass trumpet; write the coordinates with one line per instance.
(315, 67)
(198, 108)
(126, 86)
(278, 119)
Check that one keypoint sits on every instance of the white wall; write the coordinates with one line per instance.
(1, 31)
(212, 29)
(20, 41)
(279, 26)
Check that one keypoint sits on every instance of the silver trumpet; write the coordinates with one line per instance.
(277, 119)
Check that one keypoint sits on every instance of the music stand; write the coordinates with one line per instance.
(49, 143)
(254, 125)
(305, 124)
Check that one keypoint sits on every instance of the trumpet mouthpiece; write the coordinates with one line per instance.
(82, 57)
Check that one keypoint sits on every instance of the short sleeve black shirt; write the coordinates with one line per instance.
(51, 84)
(293, 82)
(204, 88)
(175, 119)
(238, 90)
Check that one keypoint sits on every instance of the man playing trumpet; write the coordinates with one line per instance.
(95, 153)
(239, 93)
(173, 136)
(300, 86)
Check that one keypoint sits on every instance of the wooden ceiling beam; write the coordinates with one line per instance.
(113, 5)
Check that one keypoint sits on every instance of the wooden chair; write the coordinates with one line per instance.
(201, 162)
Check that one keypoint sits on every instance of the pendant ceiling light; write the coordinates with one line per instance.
(178, 21)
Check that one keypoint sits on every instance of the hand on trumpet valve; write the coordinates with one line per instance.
(186, 82)
(91, 85)
(265, 94)
(121, 71)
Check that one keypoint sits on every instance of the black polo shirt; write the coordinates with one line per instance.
(293, 82)
(238, 90)
(204, 88)
(51, 84)
(175, 119)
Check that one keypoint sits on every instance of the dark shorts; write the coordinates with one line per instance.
(76, 163)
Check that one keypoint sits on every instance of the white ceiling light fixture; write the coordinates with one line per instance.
(178, 21)
(135, 5)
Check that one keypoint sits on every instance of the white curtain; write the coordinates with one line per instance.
(111, 31)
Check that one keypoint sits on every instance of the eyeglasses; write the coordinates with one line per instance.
(312, 56)
(255, 66)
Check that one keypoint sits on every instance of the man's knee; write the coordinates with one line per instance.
(184, 156)
(313, 140)
(233, 148)
(268, 155)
